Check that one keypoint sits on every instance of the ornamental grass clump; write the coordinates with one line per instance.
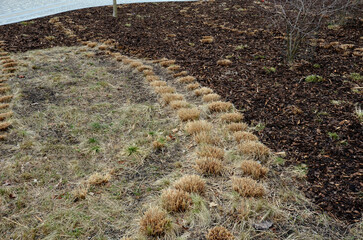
(178, 104)
(192, 86)
(4, 106)
(99, 179)
(219, 106)
(165, 89)
(211, 97)
(155, 222)
(254, 149)
(197, 127)
(144, 67)
(148, 72)
(254, 169)
(244, 136)
(234, 127)
(219, 233)
(208, 151)
(191, 184)
(158, 83)
(4, 89)
(232, 117)
(247, 187)
(135, 64)
(6, 98)
(152, 78)
(180, 74)
(173, 68)
(5, 115)
(10, 64)
(188, 114)
(186, 79)
(210, 166)
(167, 63)
(175, 200)
(169, 97)
(203, 91)
(4, 125)
(206, 138)
(224, 62)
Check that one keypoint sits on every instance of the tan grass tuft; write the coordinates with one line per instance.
(198, 126)
(148, 72)
(178, 104)
(135, 64)
(4, 125)
(167, 63)
(168, 97)
(186, 79)
(254, 149)
(152, 78)
(253, 168)
(127, 61)
(155, 222)
(180, 74)
(224, 62)
(6, 98)
(10, 64)
(144, 67)
(192, 86)
(103, 47)
(209, 166)
(3, 106)
(211, 97)
(90, 54)
(174, 68)
(91, 44)
(219, 233)
(207, 39)
(247, 187)
(9, 70)
(234, 127)
(3, 137)
(158, 145)
(206, 138)
(244, 136)
(5, 115)
(188, 114)
(120, 58)
(165, 89)
(79, 193)
(4, 53)
(98, 178)
(160, 60)
(191, 184)
(203, 91)
(175, 200)
(211, 152)
(219, 106)
(4, 58)
(158, 83)
(232, 117)
(4, 89)
(5, 61)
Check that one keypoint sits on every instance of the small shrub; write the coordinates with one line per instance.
(98, 178)
(247, 187)
(198, 126)
(169, 97)
(314, 78)
(219, 233)
(203, 91)
(219, 106)
(234, 127)
(175, 200)
(244, 136)
(209, 166)
(253, 168)
(254, 149)
(155, 222)
(232, 117)
(186, 79)
(211, 97)
(178, 104)
(192, 86)
(191, 184)
(211, 152)
(187, 114)
(224, 62)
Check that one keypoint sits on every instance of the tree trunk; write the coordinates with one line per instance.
(114, 8)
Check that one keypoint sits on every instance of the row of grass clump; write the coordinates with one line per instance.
(7, 71)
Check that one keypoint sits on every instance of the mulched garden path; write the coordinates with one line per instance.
(314, 123)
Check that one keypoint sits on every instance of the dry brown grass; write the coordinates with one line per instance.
(224, 62)
(234, 127)
(79, 193)
(3, 106)
(247, 187)
(135, 64)
(158, 145)
(127, 60)
(119, 58)
(9, 70)
(254, 149)
(103, 47)
(179, 104)
(91, 44)
(5, 58)
(188, 114)
(4, 125)
(3, 137)
(10, 64)
(160, 60)
(219, 233)
(203, 91)
(169, 97)
(6, 98)
(167, 63)
(5, 115)
(148, 72)
(208, 151)
(165, 89)
(4, 53)
(232, 117)
(186, 79)
(9, 60)
(152, 78)
(219, 106)
(198, 126)
(158, 83)
(98, 178)
(207, 39)
(253, 168)
(175, 200)
(4, 85)
(4, 89)
(209, 166)
(240, 136)
(174, 68)
(3, 80)
(191, 184)
(180, 74)
(144, 67)
(206, 138)
(192, 86)
(211, 97)
(155, 222)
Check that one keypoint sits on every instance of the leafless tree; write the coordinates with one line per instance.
(114, 8)
(303, 18)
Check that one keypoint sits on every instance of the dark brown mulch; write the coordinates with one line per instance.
(299, 118)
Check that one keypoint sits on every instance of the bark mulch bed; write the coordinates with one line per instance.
(314, 123)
